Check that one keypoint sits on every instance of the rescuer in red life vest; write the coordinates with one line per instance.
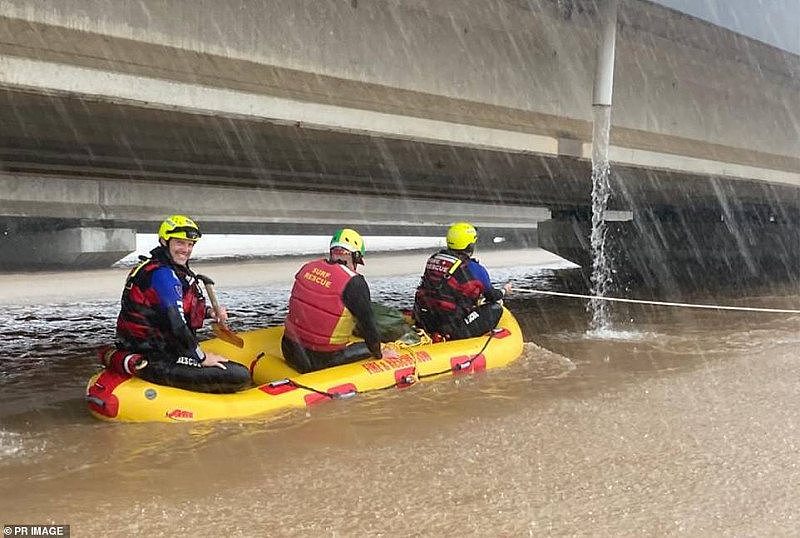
(329, 300)
(455, 297)
(162, 308)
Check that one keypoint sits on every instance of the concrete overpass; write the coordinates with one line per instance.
(301, 115)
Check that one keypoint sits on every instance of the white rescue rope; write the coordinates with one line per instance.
(661, 303)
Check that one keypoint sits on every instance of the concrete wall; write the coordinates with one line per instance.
(682, 86)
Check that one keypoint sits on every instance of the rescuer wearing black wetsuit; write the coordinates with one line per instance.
(162, 308)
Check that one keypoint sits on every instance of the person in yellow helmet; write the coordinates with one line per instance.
(162, 308)
(448, 299)
(328, 301)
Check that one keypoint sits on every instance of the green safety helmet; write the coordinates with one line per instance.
(351, 241)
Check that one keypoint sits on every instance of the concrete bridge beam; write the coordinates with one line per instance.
(675, 253)
(71, 247)
(80, 214)
(364, 112)
(234, 209)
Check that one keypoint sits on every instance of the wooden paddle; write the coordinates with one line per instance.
(221, 330)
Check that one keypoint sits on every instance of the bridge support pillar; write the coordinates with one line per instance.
(675, 253)
(71, 248)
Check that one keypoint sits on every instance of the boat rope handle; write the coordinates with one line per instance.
(406, 379)
(468, 361)
(661, 303)
(331, 395)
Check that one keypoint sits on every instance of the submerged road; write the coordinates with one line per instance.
(672, 423)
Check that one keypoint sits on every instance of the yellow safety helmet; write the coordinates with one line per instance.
(179, 227)
(461, 236)
(351, 241)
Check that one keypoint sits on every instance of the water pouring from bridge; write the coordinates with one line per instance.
(601, 191)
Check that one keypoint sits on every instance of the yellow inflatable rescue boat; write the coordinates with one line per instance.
(119, 397)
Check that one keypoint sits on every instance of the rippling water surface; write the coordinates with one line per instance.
(675, 421)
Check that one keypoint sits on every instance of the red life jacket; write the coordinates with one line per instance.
(142, 320)
(317, 318)
(447, 286)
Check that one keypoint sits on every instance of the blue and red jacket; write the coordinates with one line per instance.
(452, 284)
(162, 306)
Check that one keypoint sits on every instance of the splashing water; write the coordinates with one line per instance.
(601, 190)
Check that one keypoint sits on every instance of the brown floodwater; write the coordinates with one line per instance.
(674, 422)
